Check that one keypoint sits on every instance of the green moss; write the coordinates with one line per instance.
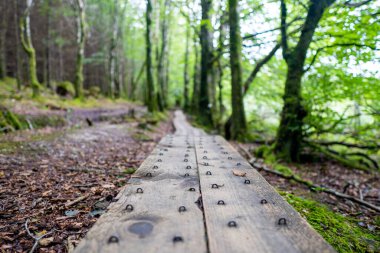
(9, 121)
(343, 233)
(129, 171)
(65, 88)
(42, 121)
(141, 137)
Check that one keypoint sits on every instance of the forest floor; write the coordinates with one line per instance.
(363, 224)
(56, 181)
(61, 179)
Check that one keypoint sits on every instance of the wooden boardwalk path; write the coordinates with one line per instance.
(185, 198)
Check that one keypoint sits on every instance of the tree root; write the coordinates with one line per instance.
(309, 184)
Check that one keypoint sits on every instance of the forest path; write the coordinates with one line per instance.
(195, 193)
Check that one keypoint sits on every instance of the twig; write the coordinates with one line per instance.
(310, 185)
(37, 239)
(81, 198)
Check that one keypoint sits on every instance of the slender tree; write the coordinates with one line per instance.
(206, 64)
(186, 77)
(26, 41)
(81, 22)
(3, 31)
(238, 123)
(151, 99)
(112, 50)
(289, 135)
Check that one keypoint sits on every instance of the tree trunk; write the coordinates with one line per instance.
(238, 123)
(26, 41)
(163, 54)
(186, 78)
(206, 66)
(112, 51)
(151, 98)
(47, 47)
(289, 135)
(17, 47)
(196, 71)
(3, 31)
(80, 20)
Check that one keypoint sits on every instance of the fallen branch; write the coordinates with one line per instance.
(81, 198)
(350, 145)
(309, 184)
(37, 239)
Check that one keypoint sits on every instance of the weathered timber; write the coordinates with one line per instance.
(264, 221)
(147, 215)
(186, 198)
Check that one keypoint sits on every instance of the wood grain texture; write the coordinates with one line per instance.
(257, 227)
(155, 219)
(253, 205)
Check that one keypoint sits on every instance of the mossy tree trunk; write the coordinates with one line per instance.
(289, 135)
(206, 64)
(81, 23)
(151, 99)
(26, 41)
(238, 122)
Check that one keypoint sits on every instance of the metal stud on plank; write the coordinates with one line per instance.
(214, 186)
(177, 239)
(139, 190)
(188, 167)
(182, 209)
(155, 167)
(221, 202)
(159, 160)
(113, 239)
(263, 201)
(208, 173)
(192, 189)
(129, 208)
(282, 221)
(247, 181)
(232, 224)
(186, 175)
(148, 174)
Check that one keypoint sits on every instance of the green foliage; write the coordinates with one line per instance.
(65, 88)
(343, 233)
(9, 121)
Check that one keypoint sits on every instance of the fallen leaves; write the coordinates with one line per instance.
(239, 173)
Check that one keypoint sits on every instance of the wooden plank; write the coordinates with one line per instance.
(257, 223)
(155, 223)
(183, 127)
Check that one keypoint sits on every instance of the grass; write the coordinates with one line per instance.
(343, 233)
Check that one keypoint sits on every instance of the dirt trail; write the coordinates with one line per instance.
(62, 180)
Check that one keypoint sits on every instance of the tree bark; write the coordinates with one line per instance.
(151, 99)
(112, 51)
(186, 78)
(80, 20)
(238, 123)
(163, 54)
(196, 77)
(289, 135)
(26, 41)
(17, 46)
(3, 31)
(206, 66)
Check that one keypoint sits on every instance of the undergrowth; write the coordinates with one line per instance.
(343, 233)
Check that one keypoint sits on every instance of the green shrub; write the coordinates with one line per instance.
(65, 89)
